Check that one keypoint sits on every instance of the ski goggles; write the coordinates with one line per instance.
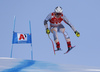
(58, 13)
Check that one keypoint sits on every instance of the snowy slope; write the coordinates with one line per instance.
(18, 65)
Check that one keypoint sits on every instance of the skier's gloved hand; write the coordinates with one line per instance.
(77, 33)
(47, 31)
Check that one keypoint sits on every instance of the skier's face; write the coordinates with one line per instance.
(58, 15)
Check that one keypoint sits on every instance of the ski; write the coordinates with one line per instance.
(69, 50)
(59, 50)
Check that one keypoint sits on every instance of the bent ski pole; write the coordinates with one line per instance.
(52, 44)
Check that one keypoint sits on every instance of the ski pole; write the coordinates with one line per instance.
(52, 44)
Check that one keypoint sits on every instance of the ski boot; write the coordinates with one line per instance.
(58, 46)
(69, 45)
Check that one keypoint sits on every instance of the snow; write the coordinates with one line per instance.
(96, 70)
(19, 65)
(6, 58)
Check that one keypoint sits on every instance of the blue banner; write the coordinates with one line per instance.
(21, 38)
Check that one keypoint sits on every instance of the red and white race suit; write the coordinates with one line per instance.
(56, 26)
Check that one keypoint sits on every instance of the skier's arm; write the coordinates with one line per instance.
(46, 26)
(46, 23)
(67, 22)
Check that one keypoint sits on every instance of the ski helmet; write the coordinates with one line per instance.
(58, 9)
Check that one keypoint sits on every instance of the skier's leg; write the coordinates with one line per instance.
(67, 38)
(54, 31)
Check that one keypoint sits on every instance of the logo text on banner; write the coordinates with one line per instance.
(22, 37)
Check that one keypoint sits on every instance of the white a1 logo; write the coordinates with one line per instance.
(22, 37)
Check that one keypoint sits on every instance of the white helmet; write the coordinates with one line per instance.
(58, 9)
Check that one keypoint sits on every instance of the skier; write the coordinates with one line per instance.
(55, 18)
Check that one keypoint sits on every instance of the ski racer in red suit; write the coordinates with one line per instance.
(55, 18)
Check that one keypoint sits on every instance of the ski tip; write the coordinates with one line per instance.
(65, 52)
(74, 46)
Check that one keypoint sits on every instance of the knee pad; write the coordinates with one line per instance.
(66, 35)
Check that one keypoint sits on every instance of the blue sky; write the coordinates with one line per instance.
(83, 14)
